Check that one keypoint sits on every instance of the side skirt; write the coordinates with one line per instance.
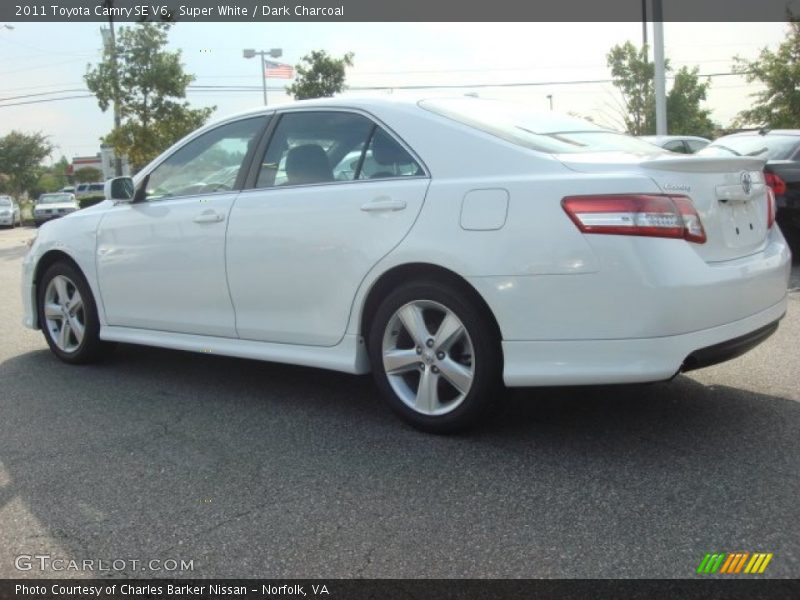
(349, 356)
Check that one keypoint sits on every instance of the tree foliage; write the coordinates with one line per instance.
(320, 75)
(21, 156)
(87, 175)
(633, 74)
(684, 113)
(778, 105)
(151, 98)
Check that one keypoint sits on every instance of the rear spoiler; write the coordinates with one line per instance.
(705, 164)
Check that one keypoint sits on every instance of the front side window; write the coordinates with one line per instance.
(209, 163)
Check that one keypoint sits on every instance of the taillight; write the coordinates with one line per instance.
(650, 215)
(771, 207)
(777, 184)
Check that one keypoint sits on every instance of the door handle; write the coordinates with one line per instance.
(383, 203)
(209, 216)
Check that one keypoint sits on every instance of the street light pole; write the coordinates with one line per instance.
(273, 52)
(111, 47)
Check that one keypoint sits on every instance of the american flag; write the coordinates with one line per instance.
(279, 70)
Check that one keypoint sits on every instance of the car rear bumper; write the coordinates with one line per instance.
(589, 362)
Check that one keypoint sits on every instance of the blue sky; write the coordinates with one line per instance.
(36, 58)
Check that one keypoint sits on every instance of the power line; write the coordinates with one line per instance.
(252, 88)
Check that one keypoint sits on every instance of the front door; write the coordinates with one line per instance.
(161, 262)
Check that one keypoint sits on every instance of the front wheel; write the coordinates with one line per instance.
(436, 357)
(68, 315)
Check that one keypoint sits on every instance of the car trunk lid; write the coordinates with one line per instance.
(729, 194)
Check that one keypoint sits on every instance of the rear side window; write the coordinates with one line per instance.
(675, 146)
(313, 147)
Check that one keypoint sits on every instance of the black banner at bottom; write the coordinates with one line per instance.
(391, 589)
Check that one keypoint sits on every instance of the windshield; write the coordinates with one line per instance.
(54, 198)
(541, 131)
(5, 201)
(771, 147)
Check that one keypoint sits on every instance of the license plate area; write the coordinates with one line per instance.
(741, 223)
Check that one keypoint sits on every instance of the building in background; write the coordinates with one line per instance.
(103, 161)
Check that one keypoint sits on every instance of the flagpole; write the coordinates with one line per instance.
(264, 76)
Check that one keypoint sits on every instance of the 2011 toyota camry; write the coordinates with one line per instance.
(447, 245)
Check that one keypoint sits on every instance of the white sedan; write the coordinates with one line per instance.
(481, 243)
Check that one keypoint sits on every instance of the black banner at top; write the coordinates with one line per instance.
(408, 10)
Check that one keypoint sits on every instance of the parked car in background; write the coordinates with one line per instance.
(69, 189)
(472, 244)
(89, 189)
(781, 149)
(52, 206)
(10, 215)
(683, 144)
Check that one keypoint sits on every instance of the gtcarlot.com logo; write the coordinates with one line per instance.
(46, 562)
(734, 563)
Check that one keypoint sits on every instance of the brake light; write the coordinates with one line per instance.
(777, 184)
(649, 215)
(771, 208)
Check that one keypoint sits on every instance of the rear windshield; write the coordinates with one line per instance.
(545, 132)
(771, 147)
(54, 198)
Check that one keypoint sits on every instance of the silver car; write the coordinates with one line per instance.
(9, 212)
(52, 206)
(682, 144)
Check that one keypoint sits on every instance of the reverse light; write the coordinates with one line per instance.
(771, 208)
(648, 215)
(777, 184)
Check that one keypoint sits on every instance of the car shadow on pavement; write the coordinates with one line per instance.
(259, 469)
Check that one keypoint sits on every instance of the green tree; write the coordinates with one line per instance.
(21, 156)
(633, 76)
(320, 75)
(152, 92)
(87, 175)
(684, 113)
(778, 105)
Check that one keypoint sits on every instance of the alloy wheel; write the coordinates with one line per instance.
(64, 313)
(428, 357)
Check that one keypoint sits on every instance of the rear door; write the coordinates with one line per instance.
(317, 218)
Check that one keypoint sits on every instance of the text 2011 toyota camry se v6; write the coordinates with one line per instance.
(447, 245)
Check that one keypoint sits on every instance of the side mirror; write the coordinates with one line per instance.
(119, 189)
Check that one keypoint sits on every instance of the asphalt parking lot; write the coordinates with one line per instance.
(264, 470)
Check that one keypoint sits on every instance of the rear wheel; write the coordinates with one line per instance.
(68, 315)
(436, 357)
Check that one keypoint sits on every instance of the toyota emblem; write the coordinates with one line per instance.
(747, 182)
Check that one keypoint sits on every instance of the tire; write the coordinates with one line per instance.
(451, 379)
(60, 289)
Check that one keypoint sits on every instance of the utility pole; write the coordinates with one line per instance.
(644, 23)
(111, 48)
(659, 82)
